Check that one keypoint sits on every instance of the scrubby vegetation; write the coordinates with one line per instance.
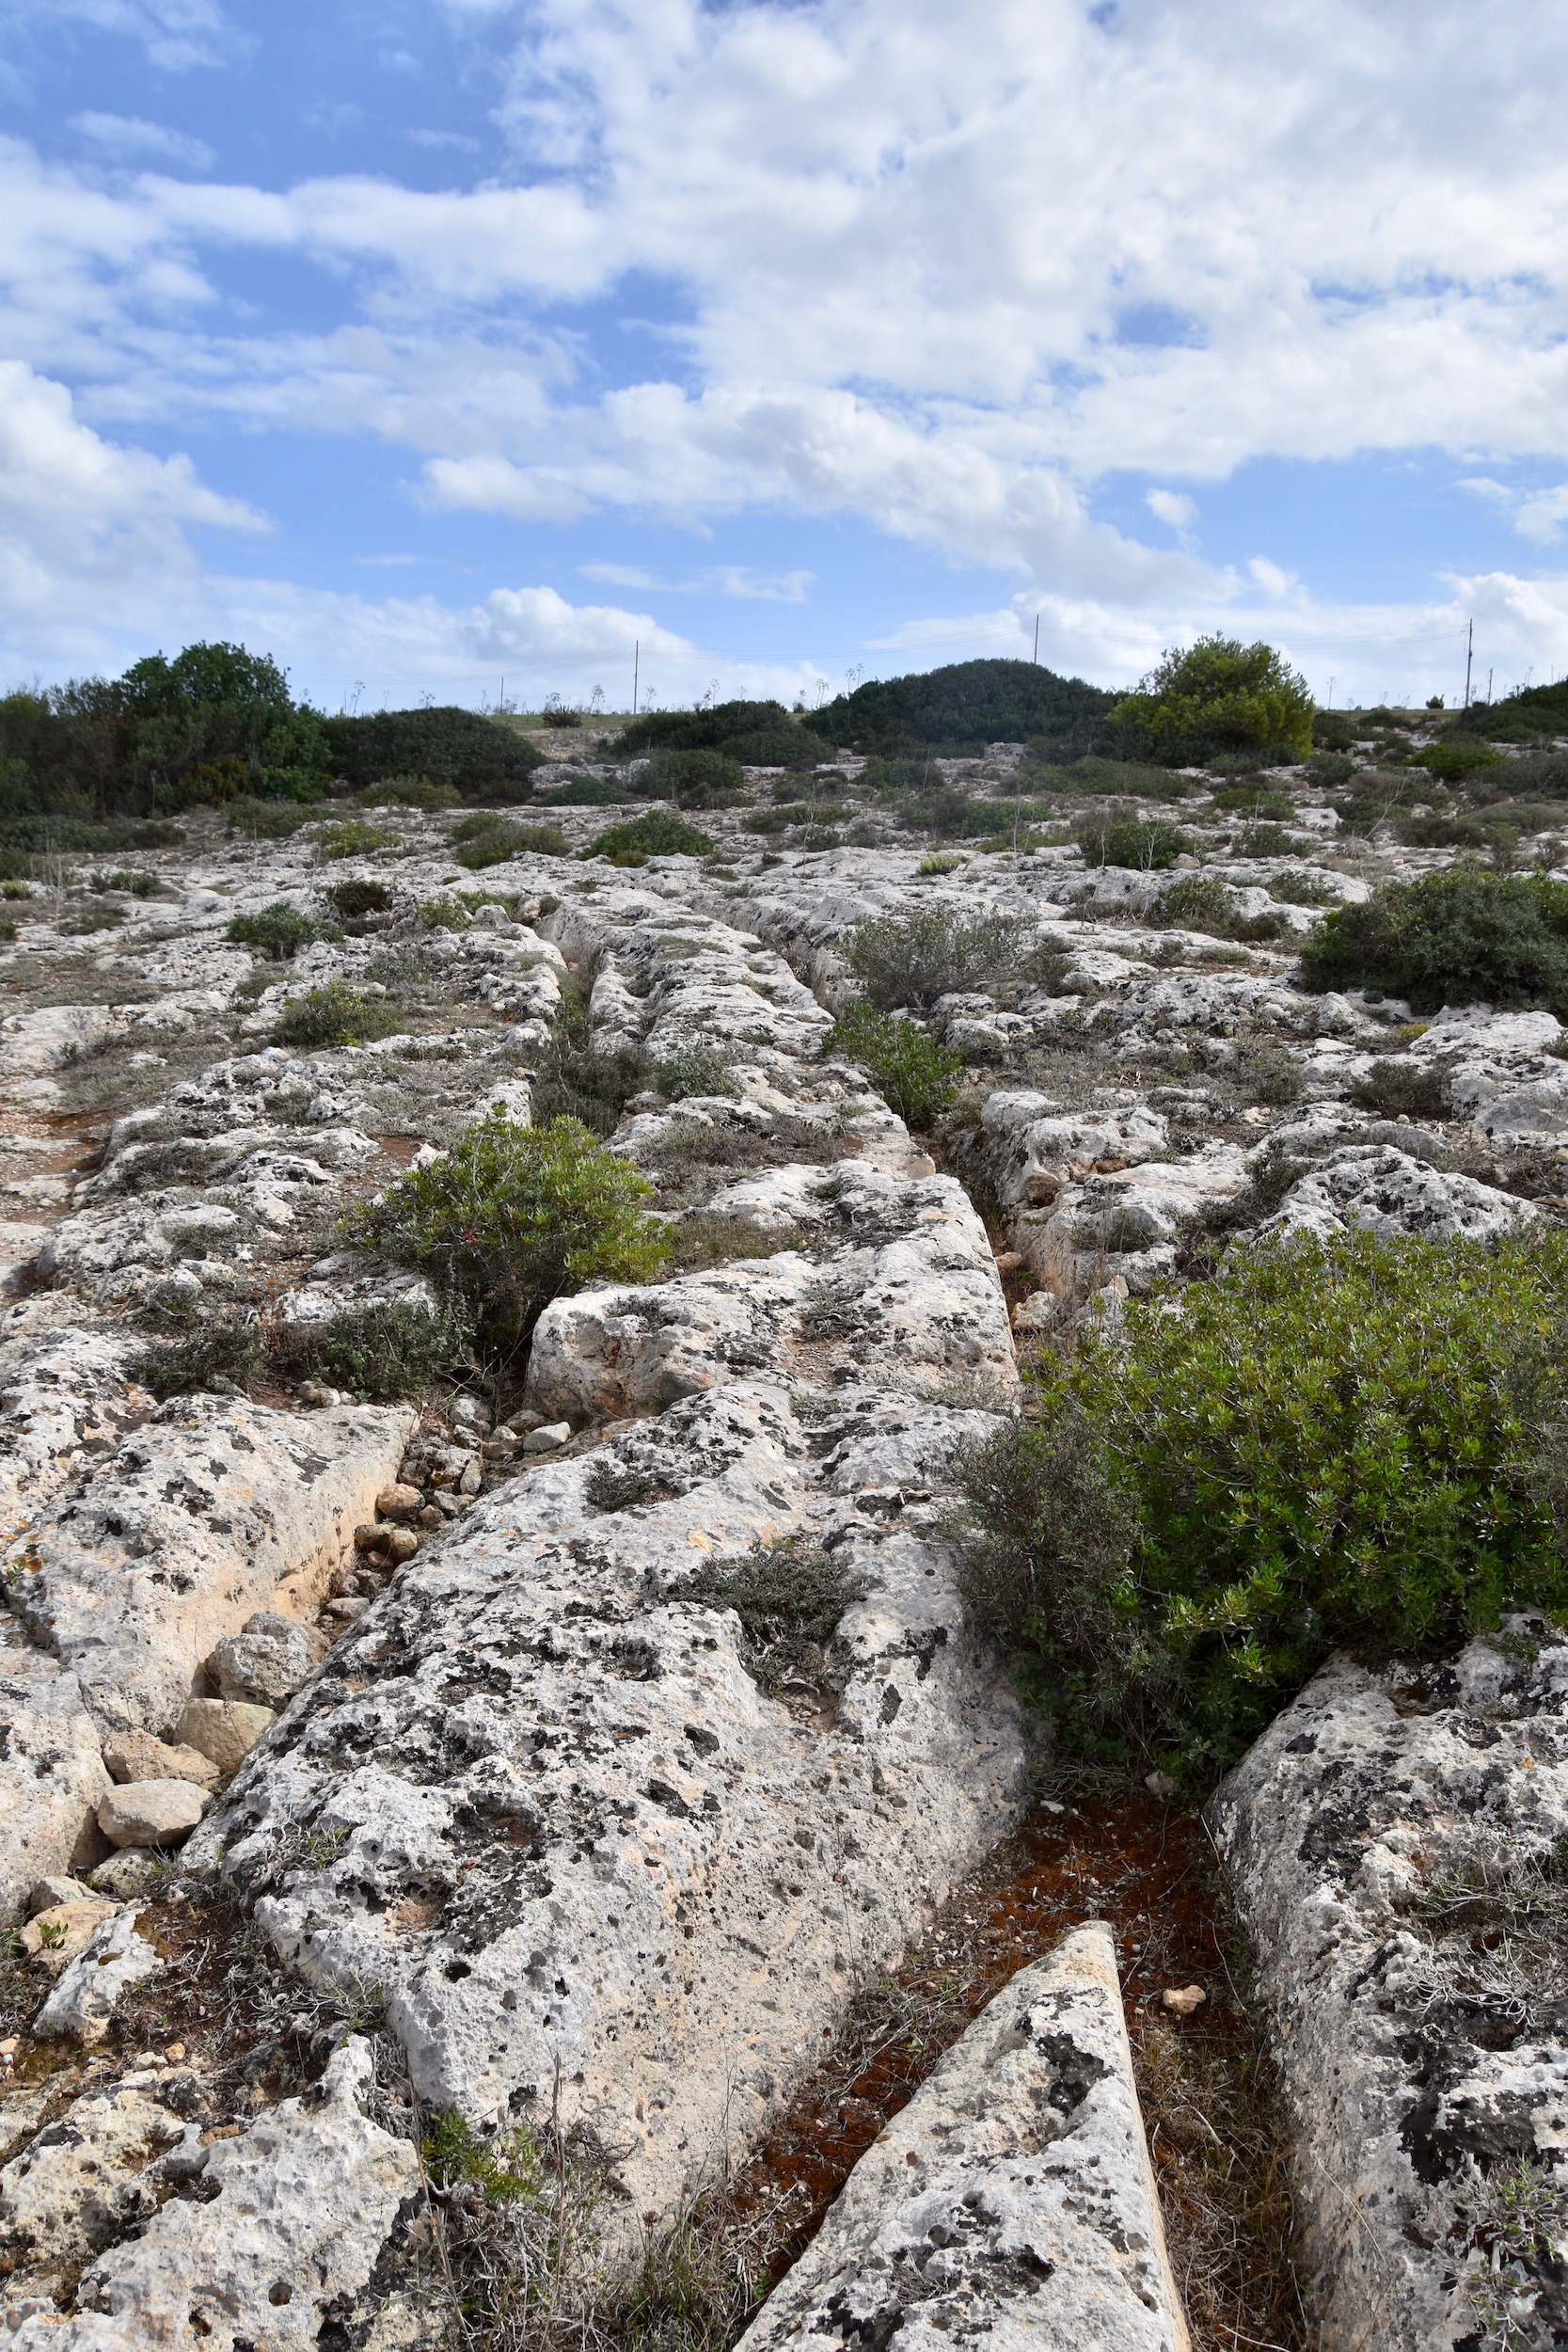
(1459, 937)
(334, 1015)
(965, 705)
(512, 1217)
(482, 760)
(1217, 696)
(914, 1075)
(1129, 842)
(790, 1597)
(913, 958)
(278, 931)
(487, 839)
(392, 1348)
(1352, 1444)
(692, 779)
(657, 835)
(695, 1068)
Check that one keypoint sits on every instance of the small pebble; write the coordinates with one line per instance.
(1183, 1999)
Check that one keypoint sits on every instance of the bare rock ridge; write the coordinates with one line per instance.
(457, 1722)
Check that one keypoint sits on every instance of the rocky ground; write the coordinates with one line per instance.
(367, 1763)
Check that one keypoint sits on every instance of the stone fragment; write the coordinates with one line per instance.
(128, 1875)
(1011, 2203)
(152, 1812)
(398, 1501)
(52, 1776)
(113, 1959)
(45, 1893)
(293, 2214)
(224, 1730)
(56, 1935)
(82, 2182)
(1375, 1189)
(1183, 1999)
(547, 1437)
(137, 1755)
(266, 1664)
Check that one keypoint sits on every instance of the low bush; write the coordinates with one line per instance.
(351, 837)
(940, 863)
(278, 931)
(408, 792)
(1195, 902)
(486, 839)
(1266, 1072)
(383, 1351)
(914, 1075)
(353, 901)
(267, 820)
(480, 759)
(1330, 770)
(588, 792)
(692, 779)
(333, 1015)
(512, 1217)
(135, 886)
(657, 835)
(1251, 799)
(1321, 1446)
(1293, 887)
(181, 1365)
(790, 1597)
(1402, 1089)
(1455, 758)
(695, 1068)
(913, 958)
(1146, 847)
(1459, 937)
(1266, 841)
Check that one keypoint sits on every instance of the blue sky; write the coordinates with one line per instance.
(432, 344)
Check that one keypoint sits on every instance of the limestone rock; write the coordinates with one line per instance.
(45, 1893)
(1010, 2202)
(152, 1812)
(129, 1875)
(523, 1898)
(82, 2182)
(137, 1755)
(304, 2202)
(1377, 1189)
(52, 1776)
(265, 1663)
(54, 1934)
(1415, 2063)
(182, 1531)
(224, 1730)
(113, 1959)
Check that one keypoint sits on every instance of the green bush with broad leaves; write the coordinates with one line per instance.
(1456, 938)
(914, 1075)
(512, 1216)
(1217, 696)
(1355, 1445)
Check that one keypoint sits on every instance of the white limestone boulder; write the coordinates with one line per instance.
(52, 1776)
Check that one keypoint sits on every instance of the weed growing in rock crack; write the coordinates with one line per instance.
(355, 900)
(914, 1075)
(334, 1015)
(193, 1360)
(612, 1485)
(1264, 1071)
(933, 951)
(704, 1238)
(278, 931)
(512, 1217)
(1293, 887)
(1515, 2219)
(790, 1597)
(572, 1082)
(657, 835)
(1322, 1444)
(1405, 1088)
(390, 1349)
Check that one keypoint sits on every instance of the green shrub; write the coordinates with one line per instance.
(1330, 770)
(89, 919)
(967, 705)
(278, 931)
(588, 792)
(486, 839)
(1265, 1070)
(939, 863)
(1147, 848)
(333, 1015)
(692, 779)
(408, 792)
(1217, 696)
(913, 958)
(383, 1351)
(1296, 888)
(1195, 902)
(1455, 938)
(790, 1597)
(355, 899)
(657, 835)
(914, 1075)
(352, 837)
(190, 1360)
(479, 759)
(1455, 758)
(1251, 799)
(267, 820)
(14, 887)
(512, 1217)
(1321, 1446)
(136, 885)
(1402, 1089)
(695, 1068)
(570, 1082)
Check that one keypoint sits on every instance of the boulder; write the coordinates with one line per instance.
(137, 1755)
(69, 2189)
(52, 1776)
(266, 1664)
(113, 1959)
(1375, 1189)
(152, 1812)
(1011, 2201)
(223, 1730)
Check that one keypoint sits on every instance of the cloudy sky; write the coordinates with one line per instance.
(433, 342)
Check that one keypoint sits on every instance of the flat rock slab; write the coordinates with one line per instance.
(1011, 2201)
(52, 1776)
(539, 1798)
(183, 1530)
(1391, 1840)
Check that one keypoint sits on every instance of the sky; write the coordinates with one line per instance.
(475, 349)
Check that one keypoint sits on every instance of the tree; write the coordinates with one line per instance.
(1219, 695)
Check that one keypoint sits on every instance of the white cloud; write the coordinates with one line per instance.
(495, 485)
(176, 35)
(127, 136)
(623, 575)
(1172, 507)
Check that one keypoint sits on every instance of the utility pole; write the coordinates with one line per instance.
(1036, 640)
(1469, 648)
(636, 671)
(1488, 690)
(1331, 684)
